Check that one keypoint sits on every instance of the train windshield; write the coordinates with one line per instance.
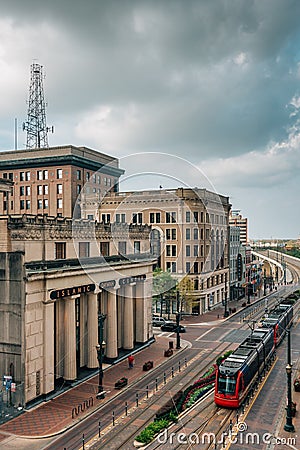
(226, 385)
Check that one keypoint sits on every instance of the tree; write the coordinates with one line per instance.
(164, 286)
(186, 290)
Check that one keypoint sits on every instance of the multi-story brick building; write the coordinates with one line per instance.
(50, 180)
(189, 235)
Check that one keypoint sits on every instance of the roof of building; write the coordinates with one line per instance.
(63, 155)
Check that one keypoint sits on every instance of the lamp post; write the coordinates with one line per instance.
(226, 313)
(178, 321)
(289, 421)
(100, 349)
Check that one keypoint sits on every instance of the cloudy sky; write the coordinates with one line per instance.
(214, 84)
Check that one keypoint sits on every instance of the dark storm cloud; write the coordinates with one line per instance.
(209, 80)
(204, 76)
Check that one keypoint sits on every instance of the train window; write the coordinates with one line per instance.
(226, 385)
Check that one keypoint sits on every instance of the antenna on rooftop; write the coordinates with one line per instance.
(37, 130)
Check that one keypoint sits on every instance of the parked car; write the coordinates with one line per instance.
(158, 321)
(172, 326)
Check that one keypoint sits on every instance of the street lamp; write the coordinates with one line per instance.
(289, 421)
(226, 313)
(178, 321)
(100, 350)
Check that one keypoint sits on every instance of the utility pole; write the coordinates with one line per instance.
(35, 126)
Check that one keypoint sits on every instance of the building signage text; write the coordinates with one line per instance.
(76, 290)
(107, 284)
(134, 279)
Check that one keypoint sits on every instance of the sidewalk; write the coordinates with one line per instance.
(53, 416)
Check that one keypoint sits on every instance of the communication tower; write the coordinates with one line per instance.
(37, 130)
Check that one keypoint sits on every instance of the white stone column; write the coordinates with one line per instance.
(128, 319)
(70, 369)
(48, 347)
(141, 326)
(92, 317)
(111, 325)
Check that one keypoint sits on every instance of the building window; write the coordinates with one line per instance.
(187, 250)
(187, 267)
(46, 203)
(60, 250)
(171, 250)
(27, 204)
(187, 216)
(174, 234)
(78, 189)
(196, 216)
(4, 175)
(39, 174)
(59, 203)
(4, 205)
(59, 189)
(22, 176)
(40, 204)
(122, 248)
(59, 174)
(40, 190)
(196, 267)
(46, 189)
(11, 176)
(84, 249)
(137, 246)
(104, 248)
(188, 234)
(78, 174)
(120, 218)
(90, 216)
(196, 234)
(155, 217)
(22, 190)
(137, 218)
(168, 234)
(87, 176)
(196, 250)
(105, 218)
(22, 204)
(27, 176)
(45, 174)
(171, 217)
(27, 189)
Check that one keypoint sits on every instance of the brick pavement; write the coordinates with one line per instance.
(55, 415)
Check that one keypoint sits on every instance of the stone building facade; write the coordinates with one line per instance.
(189, 236)
(52, 294)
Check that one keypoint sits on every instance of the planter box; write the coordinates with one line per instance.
(121, 383)
(147, 366)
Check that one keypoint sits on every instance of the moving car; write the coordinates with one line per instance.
(172, 326)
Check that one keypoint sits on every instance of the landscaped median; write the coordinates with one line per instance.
(181, 401)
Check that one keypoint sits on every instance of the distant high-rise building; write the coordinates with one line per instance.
(237, 220)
